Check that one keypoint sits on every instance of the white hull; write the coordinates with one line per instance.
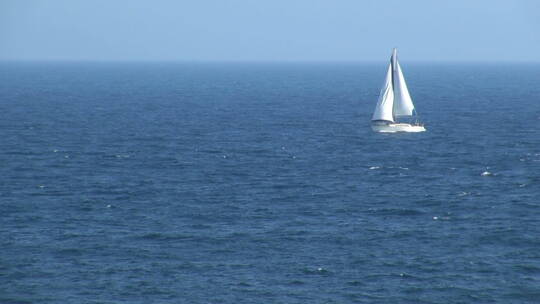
(397, 127)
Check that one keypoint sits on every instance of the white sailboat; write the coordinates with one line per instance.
(394, 102)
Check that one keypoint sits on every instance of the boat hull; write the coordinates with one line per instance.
(397, 127)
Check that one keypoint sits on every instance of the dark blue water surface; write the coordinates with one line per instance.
(263, 183)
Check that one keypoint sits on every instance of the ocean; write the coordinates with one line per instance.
(263, 183)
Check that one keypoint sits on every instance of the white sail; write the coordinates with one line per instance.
(384, 108)
(403, 105)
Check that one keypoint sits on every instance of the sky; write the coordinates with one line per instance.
(271, 30)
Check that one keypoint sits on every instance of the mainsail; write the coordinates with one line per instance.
(384, 108)
(394, 99)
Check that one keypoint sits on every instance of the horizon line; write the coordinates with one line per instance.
(261, 61)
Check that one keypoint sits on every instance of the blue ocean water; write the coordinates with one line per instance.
(263, 183)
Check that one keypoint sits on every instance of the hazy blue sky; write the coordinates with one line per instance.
(276, 30)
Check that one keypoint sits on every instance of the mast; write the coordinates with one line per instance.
(393, 60)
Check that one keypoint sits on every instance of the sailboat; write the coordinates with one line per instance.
(395, 102)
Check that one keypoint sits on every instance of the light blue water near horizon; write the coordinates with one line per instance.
(263, 183)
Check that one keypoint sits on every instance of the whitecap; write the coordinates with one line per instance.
(373, 168)
(486, 173)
